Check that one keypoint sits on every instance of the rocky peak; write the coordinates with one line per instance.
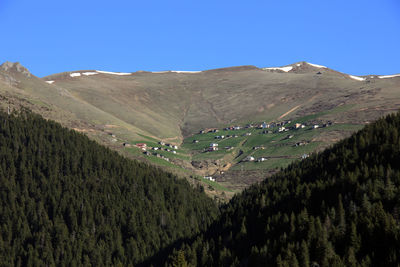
(15, 67)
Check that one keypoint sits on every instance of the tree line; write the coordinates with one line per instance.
(67, 201)
(340, 207)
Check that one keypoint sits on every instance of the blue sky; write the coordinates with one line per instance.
(355, 37)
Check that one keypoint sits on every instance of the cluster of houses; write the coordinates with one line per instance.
(280, 125)
(168, 145)
(144, 147)
(232, 128)
(163, 149)
(253, 159)
(213, 147)
(315, 126)
(268, 128)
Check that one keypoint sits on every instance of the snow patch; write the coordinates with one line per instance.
(285, 69)
(315, 65)
(77, 74)
(49, 82)
(357, 78)
(185, 71)
(298, 64)
(177, 71)
(113, 73)
(89, 73)
(388, 76)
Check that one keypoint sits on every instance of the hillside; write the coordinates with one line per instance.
(336, 208)
(179, 104)
(67, 201)
(173, 106)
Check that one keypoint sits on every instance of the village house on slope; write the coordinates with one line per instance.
(213, 147)
(249, 158)
(142, 146)
(210, 178)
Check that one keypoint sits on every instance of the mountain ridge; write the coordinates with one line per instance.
(171, 106)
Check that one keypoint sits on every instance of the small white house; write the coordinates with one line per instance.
(315, 126)
(304, 156)
(210, 178)
(249, 158)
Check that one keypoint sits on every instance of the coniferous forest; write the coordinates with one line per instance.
(67, 201)
(338, 208)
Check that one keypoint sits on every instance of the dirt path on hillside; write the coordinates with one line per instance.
(296, 107)
(290, 111)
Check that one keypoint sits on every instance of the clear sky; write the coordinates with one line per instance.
(353, 36)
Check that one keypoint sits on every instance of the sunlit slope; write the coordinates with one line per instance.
(57, 103)
(172, 104)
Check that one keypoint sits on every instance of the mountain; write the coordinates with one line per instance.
(336, 208)
(67, 201)
(172, 106)
(177, 104)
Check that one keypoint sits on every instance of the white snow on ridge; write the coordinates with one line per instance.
(285, 69)
(49, 82)
(177, 71)
(113, 73)
(357, 78)
(77, 74)
(388, 76)
(315, 65)
(185, 71)
(89, 73)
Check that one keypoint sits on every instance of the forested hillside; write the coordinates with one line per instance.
(67, 201)
(338, 208)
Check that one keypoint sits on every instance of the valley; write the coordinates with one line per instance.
(226, 154)
(121, 110)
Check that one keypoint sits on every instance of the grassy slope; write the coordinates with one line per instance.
(173, 106)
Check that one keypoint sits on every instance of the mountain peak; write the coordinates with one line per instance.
(298, 67)
(15, 67)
